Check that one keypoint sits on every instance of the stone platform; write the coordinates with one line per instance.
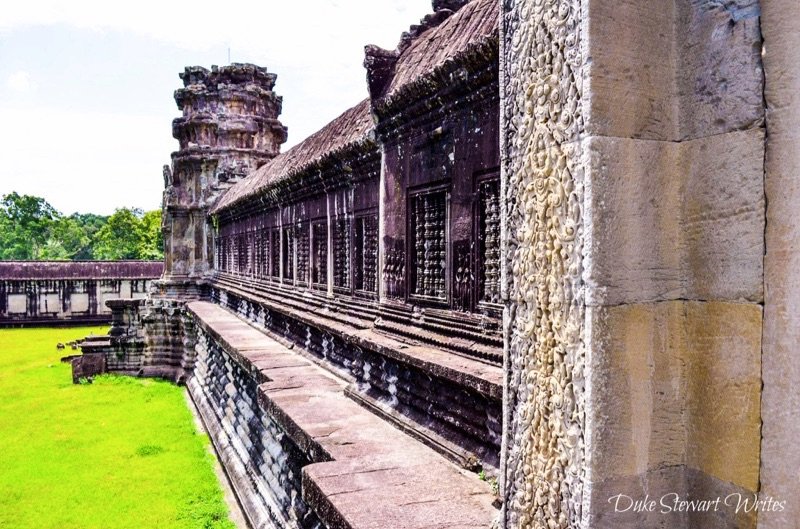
(451, 402)
(302, 454)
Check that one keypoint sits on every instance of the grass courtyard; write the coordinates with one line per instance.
(118, 453)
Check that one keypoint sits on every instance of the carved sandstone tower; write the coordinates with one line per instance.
(229, 128)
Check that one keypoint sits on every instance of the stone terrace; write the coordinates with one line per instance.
(363, 473)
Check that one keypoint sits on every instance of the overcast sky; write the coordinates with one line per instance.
(86, 87)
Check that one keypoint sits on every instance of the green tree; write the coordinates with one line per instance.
(30, 228)
(66, 238)
(152, 244)
(90, 224)
(25, 223)
(121, 236)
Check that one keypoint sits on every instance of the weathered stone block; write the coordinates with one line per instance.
(673, 70)
(674, 220)
(627, 83)
(719, 77)
(675, 383)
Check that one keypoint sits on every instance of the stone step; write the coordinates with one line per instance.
(461, 333)
(362, 472)
(422, 389)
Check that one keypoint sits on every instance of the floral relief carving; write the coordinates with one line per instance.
(544, 191)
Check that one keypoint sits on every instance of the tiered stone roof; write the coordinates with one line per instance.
(422, 59)
(348, 131)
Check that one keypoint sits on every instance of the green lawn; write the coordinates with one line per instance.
(118, 453)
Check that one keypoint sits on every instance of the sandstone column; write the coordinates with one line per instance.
(633, 176)
(780, 455)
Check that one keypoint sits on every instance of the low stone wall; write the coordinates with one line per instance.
(301, 454)
(262, 462)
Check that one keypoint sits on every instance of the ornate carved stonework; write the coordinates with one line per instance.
(394, 269)
(490, 241)
(429, 221)
(543, 190)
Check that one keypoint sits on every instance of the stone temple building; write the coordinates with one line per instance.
(544, 271)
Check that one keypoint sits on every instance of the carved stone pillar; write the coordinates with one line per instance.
(542, 182)
(633, 170)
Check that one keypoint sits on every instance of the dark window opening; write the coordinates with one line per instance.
(366, 253)
(320, 253)
(428, 262)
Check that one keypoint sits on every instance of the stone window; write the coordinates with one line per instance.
(319, 265)
(221, 263)
(249, 239)
(341, 253)
(243, 253)
(234, 260)
(365, 249)
(302, 240)
(489, 239)
(262, 255)
(428, 234)
(109, 286)
(275, 254)
(287, 253)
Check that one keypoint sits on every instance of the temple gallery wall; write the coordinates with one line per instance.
(54, 292)
(547, 265)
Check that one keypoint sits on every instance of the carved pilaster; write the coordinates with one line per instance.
(543, 189)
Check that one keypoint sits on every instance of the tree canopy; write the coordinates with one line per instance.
(31, 229)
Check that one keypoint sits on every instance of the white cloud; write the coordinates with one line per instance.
(250, 26)
(20, 82)
(84, 161)
(73, 158)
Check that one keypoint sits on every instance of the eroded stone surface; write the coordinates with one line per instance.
(657, 375)
(673, 71)
(671, 220)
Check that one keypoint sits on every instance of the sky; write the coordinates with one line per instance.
(86, 87)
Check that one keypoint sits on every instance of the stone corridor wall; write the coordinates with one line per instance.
(449, 410)
(53, 292)
(262, 461)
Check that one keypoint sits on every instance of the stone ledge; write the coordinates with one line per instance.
(365, 473)
(438, 406)
(479, 376)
